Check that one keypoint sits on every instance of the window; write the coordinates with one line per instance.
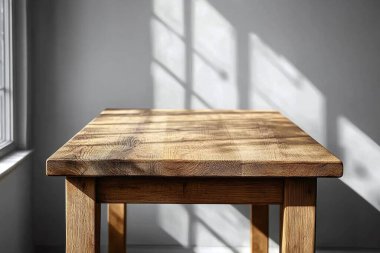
(6, 82)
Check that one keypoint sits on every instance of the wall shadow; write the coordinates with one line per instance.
(229, 57)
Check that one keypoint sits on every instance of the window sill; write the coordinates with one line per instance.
(9, 162)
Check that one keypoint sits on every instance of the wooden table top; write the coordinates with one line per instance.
(231, 143)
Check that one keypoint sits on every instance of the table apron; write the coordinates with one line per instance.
(191, 190)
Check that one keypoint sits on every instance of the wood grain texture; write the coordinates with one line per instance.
(117, 217)
(298, 216)
(82, 216)
(259, 228)
(239, 143)
(189, 190)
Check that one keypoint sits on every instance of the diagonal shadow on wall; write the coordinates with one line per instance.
(253, 75)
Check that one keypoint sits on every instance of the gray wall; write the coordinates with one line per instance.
(15, 211)
(316, 61)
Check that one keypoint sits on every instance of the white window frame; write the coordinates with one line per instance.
(7, 143)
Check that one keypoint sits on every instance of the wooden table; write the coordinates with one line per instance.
(191, 156)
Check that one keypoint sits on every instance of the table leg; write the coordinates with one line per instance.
(298, 216)
(117, 215)
(259, 228)
(82, 216)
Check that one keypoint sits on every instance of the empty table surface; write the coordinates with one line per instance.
(233, 143)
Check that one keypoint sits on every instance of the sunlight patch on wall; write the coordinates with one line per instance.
(168, 49)
(168, 66)
(361, 156)
(205, 236)
(165, 85)
(275, 83)
(220, 219)
(174, 220)
(214, 58)
(171, 13)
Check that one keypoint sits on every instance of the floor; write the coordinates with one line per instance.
(178, 249)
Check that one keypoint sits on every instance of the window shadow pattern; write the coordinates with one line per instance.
(198, 58)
